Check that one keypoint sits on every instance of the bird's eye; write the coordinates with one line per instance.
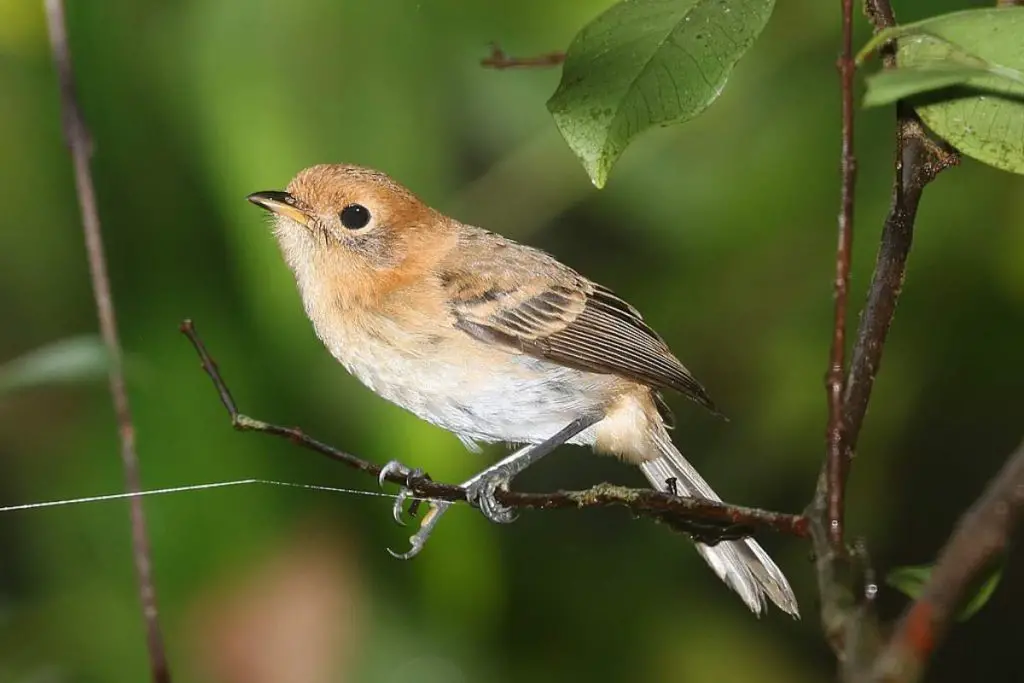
(355, 216)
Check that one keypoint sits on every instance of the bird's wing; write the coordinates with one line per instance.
(526, 301)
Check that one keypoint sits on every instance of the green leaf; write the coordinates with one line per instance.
(891, 85)
(647, 63)
(911, 581)
(973, 62)
(75, 359)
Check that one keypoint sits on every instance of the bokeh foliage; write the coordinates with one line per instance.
(721, 231)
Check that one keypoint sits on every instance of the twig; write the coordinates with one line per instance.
(849, 623)
(499, 60)
(79, 143)
(834, 468)
(707, 521)
(918, 159)
(978, 542)
(983, 531)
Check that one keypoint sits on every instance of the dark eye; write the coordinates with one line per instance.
(355, 216)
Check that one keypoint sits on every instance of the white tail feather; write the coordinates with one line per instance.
(743, 565)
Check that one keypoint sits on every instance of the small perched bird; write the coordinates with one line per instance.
(493, 341)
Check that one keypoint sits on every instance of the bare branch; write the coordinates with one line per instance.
(919, 158)
(846, 611)
(983, 532)
(78, 141)
(705, 520)
(499, 60)
(978, 542)
(834, 465)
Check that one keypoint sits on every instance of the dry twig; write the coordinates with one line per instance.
(77, 138)
(847, 618)
(835, 484)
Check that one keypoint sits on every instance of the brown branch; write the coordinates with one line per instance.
(499, 60)
(834, 465)
(983, 532)
(978, 542)
(919, 158)
(847, 618)
(78, 141)
(707, 521)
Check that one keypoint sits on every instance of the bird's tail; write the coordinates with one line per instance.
(743, 565)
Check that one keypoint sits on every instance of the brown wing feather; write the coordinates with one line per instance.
(556, 314)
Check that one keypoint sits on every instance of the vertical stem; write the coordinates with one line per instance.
(78, 141)
(835, 466)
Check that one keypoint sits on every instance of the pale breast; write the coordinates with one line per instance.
(478, 391)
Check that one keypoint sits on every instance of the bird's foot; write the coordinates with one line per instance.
(429, 521)
(411, 476)
(480, 492)
(419, 539)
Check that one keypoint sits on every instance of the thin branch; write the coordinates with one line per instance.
(983, 532)
(499, 60)
(834, 467)
(919, 159)
(976, 545)
(705, 520)
(79, 143)
(846, 604)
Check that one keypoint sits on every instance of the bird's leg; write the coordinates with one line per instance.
(481, 487)
(436, 507)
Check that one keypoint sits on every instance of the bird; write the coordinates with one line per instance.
(494, 341)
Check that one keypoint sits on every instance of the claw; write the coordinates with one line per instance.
(495, 511)
(417, 546)
(419, 539)
(405, 492)
(398, 508)
(481, 493)
(392, 467)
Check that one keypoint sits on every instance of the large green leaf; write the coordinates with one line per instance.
(974, 63)
(911, 581)
(646, 63)
(70, 360)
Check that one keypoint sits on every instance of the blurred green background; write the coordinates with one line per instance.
(722, 231)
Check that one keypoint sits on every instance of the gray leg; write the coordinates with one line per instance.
(481, 487)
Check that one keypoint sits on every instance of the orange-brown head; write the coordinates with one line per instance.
(353, 234)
